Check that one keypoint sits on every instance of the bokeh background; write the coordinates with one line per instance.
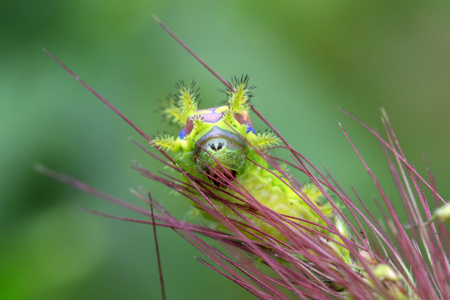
(307, 59)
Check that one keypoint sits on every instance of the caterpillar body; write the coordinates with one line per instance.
(220, 148)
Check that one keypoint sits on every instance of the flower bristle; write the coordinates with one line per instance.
(306, 264)
(346, 278)
(388, 259)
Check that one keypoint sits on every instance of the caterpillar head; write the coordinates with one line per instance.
(214, 142)
(216, 138)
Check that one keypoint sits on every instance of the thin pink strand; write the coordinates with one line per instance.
(97, 95)
(228, 85)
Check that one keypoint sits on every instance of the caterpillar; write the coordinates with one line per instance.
(220, 148)
(231, 180)
(234, 183)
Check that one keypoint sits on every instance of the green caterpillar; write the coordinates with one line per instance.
(219, 146)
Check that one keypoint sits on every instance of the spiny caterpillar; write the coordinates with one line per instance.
(296, 230)
(219, 147)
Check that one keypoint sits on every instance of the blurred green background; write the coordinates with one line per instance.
(307, 58)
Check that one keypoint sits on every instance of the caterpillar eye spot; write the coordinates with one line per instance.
(216, 144)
